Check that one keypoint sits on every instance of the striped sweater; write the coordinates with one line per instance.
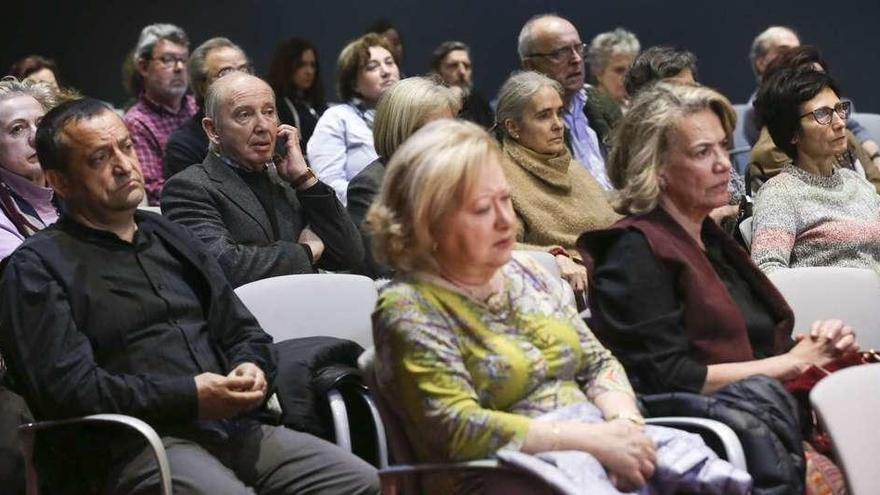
(801, 219)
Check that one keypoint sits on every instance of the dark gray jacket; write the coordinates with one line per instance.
(213, 202)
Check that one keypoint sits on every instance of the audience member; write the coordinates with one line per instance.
(554, 198)
(160, 82)
(610, 55)
(765, 48)
(475, 344)
(451, 61)
(401, 111)
(675, 298)
(813, 212)
(552, 46)
(342, 144)
(766, 159)
(27, 204)
(660, 63)
(386, 29)
(210, 61)
(257, 217)
(116, 311)
(35, 68)
(295, 76)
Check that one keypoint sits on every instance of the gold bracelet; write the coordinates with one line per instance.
(631, 417)
(554, 430)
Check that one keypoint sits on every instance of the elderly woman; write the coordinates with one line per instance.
(401, 111)
(555, 198)
(475, 344)
(295, 76)
(814, 212)
(610, 55)
(342, 144)
(676, 299)
(27, 204)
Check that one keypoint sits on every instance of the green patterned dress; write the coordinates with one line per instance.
(465, 377)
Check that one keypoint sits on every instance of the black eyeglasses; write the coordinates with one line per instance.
(169, 60)
(564, 53)
(823, 115)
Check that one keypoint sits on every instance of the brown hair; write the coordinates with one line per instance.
(353, 58)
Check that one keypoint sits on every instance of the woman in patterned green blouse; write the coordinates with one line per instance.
(473, 343)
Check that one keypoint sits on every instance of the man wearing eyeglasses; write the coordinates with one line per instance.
(552, 46)
(209, 61)
(163, 104)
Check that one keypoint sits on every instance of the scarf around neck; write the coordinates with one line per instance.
(550, 169)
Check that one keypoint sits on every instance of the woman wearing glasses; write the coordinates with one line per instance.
(814, 212)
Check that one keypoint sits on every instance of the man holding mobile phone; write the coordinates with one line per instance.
(260, 217)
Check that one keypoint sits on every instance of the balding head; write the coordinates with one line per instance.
(552, 46)
(240, 119)
(766, 46)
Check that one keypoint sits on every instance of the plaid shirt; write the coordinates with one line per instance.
(150, 124)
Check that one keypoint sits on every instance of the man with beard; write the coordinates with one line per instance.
(451, 61)
(552, 46)
(163, 104)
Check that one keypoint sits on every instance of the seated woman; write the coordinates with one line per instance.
(295, 76)
(401, 111)
(27, 204)
(474, 344)
(342, 144)
(555, 198)
(766, 159)
(814, 212)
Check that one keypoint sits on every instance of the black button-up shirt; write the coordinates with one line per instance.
(91, 323)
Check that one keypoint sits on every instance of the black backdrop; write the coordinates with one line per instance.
(89, 38)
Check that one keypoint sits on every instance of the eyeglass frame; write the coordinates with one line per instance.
(565, 51)
(846, 105)
(168, 60)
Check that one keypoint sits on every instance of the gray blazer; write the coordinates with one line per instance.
(216, 205)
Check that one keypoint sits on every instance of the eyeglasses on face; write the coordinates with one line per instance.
(564, 53)
(169, 60)
(823, 115)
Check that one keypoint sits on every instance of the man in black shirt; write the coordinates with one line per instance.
(451, 61)
(260, 214)
(113, 311)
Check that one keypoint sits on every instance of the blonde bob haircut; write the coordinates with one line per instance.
(640, 141)
(405, 108)
(426, 180)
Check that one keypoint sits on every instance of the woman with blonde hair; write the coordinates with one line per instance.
(475, 342)
(401, 111)
(342, 143)
(27, 203)
(555, 197)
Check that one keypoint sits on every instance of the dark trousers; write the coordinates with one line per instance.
(253, 459)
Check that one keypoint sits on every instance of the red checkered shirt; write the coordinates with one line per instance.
(150, 124)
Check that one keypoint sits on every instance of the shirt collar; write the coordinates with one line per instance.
(104, 237)
(159, 108)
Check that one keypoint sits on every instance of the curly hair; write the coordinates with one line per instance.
(641, 140)
(45, 94)
(426, 180)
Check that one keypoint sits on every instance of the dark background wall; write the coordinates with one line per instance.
(89, 38)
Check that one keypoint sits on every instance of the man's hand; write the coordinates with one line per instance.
(293, 165)
(250, 370)
(222, 397)
(309, 237)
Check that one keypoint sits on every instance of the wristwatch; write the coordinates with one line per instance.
(305, 177)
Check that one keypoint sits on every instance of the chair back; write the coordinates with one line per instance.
(821, 293)
(847, 402)
(871, 122)
(741, 148)
(401, 450)
(546, 260)
(745, 229)
(322, 304)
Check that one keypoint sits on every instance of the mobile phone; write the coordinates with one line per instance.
(280, 148)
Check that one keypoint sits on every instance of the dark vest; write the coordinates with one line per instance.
(713, 322)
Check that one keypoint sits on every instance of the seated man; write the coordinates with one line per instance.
(257, 219)
(116, 311)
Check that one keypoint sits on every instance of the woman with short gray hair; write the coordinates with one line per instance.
(554, 196)
(609, 56)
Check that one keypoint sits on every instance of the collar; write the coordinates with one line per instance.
(31, 192)
(238, 167)
(550, 169)
(162, 109)
(104, 237)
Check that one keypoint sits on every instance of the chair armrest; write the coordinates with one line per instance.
(28, 430)
(732, 447)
